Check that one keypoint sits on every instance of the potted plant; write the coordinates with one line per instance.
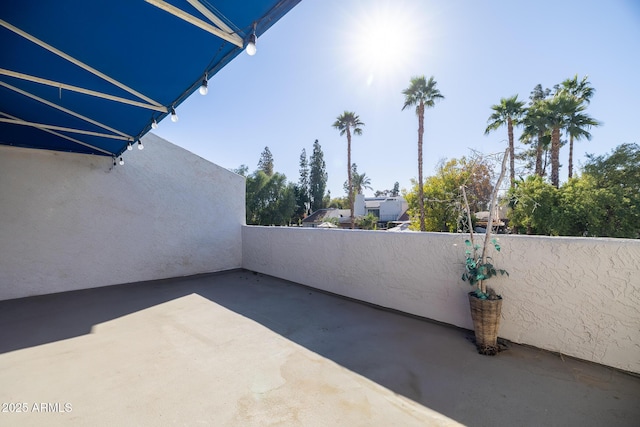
(485, 304)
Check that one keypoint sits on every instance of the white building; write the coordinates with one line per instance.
(384, 208)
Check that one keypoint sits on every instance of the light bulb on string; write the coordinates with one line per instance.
(154, 124)
(140, 146)
(251, 46)
(121, 162)
(129, 147)
(204, 88)
(174, 116)
(253, 39)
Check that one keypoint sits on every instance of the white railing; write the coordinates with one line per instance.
(576, 296)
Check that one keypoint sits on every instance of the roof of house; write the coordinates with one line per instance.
(322, 215)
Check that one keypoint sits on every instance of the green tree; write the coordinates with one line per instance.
(360, 182)
(533, 206)
(561, 108)
(303, 181)
(536, 128)
(442, 193)
(582, 90)
(303, 204)
(421, 94)
(578, 124)
(603, 202)
(619, 173)
(241, 170)
(339, 203)
(508, 112)
(584, 209)
(346, 123)
(269, 199)
(368, 222)
(396, 189)
(317, 178)
(265, 163)
(389, 193)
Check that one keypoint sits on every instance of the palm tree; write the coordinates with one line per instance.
(536, 125)
(508, 112)
(561, 108)
(579, 89)
(345, 123)
(361, 182)
(577, 126)
(423, 94)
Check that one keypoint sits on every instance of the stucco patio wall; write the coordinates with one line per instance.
(73, 221)
(576, 296)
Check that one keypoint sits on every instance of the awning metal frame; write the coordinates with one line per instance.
(219, 26)
(221, 30)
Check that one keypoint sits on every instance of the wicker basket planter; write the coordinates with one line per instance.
(486, 321)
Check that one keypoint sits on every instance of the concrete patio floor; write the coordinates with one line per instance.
(243, 349)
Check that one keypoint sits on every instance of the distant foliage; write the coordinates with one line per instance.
(442, 193)
(359, 182)
(241, 170)
(317, 178)
(303, 197)
(367, 222)
(533, 206)
(389, 193)
(339, 203)
(265, 163)
(551, 116)
(270, 200)
(603, 202)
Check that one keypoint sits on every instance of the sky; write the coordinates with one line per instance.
(328, 56)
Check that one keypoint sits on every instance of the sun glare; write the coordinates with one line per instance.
(383, 41)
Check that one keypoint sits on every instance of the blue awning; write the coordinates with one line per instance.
(92, 76)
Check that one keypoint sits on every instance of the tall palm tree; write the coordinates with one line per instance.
(579, 89)
(423, 94)
(536, 125)
(508, 112)
(346, 123)
(561, 108)
(577, 128)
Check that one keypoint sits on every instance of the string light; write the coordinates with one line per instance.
(204, 88)
(121, 162)
(154, 124)
(174, 116)
(129, 146)
(253, 39)
(140, 146)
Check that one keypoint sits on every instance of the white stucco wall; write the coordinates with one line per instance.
(72, 221)
(576, 296)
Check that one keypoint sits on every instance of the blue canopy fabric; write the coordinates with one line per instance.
(92, 76)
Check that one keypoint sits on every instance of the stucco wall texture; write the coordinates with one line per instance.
(72, 221)
(576, 296)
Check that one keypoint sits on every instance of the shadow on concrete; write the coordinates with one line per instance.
(432, 364)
